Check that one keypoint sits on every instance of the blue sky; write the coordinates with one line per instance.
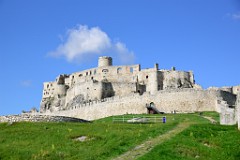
(41, 39)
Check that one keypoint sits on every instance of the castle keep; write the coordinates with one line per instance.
(113, 90)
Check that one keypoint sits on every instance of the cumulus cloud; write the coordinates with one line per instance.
(82, 42)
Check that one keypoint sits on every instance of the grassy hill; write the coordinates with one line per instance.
(104, 139)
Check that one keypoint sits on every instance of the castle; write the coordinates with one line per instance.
(114, 90)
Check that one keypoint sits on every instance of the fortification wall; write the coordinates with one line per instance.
(112, 73)
(104, 108)
(236, 89)
(49, 89)
(228, 97)
(224, 95)
(177, 79)
(238, 110)
(117, 73)
(121, 89)
(143, 76)
(149, 78)
(90, 91)
(181, 100)
(52, 89)
(185, 100)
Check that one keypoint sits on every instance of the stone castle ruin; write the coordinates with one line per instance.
(107, 81)
(114, 90)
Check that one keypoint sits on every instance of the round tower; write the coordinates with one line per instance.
(104, 61)
(153, 82)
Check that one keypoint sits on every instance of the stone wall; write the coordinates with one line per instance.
(89, 90)
(177, 79)
(238, 109)
(180, 100)
(38, 118)
(236, 89)
(121, 89)
(227, 114)
(108, 81)
(184, 100)
(226, 96)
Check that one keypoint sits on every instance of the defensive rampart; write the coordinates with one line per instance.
(177, 100)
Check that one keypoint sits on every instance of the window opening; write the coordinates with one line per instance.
(105, 70)
(131, 69)
(119, 70)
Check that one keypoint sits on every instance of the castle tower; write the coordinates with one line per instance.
(104, 61)
(153, 80)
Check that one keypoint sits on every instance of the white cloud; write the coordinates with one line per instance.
(125, 56)
(26, 83)
(236, 16)
(82, 42)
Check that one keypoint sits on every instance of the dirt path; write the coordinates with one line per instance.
(210, 119)
(146, 146)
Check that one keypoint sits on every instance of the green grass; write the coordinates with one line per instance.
(214, 115)
(200, 141)
(55, 140)
(107, 140)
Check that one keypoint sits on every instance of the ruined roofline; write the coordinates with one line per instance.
(169, 70)
(113, 66)
(97, 70)
(92, 70)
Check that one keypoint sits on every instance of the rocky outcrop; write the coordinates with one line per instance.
(38, 118)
